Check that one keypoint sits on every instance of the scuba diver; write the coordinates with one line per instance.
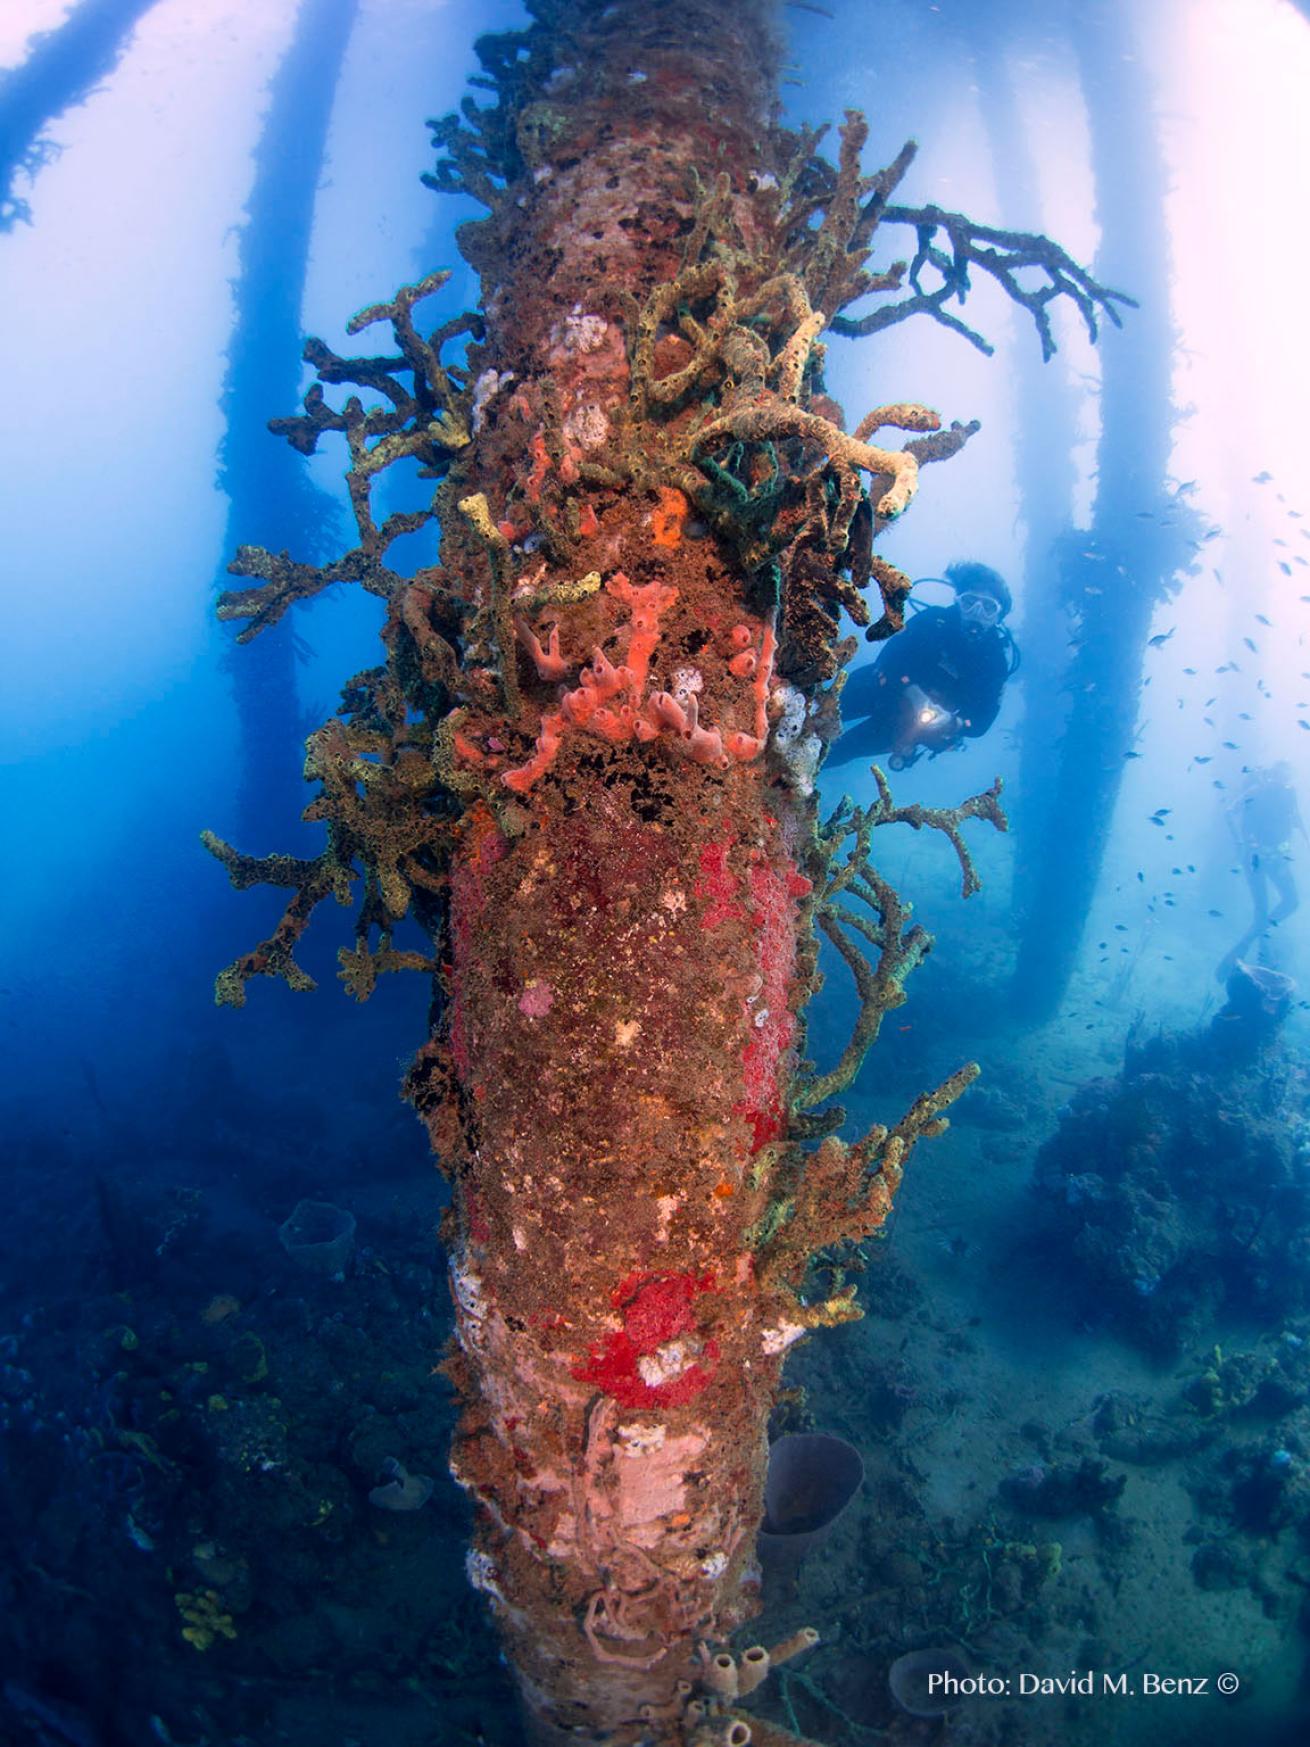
(937, 682)
(1262, 820)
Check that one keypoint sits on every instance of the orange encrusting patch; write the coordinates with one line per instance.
(540, 468)
(667, 519)
(466, 749)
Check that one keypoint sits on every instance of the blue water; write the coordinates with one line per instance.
(1082, 1386)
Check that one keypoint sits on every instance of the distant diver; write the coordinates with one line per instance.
(937, 682)
(1263, 819)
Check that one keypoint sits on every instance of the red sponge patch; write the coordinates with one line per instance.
(656, 1309)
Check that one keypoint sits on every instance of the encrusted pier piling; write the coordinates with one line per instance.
(586, 767)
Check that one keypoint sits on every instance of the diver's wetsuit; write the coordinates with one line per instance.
(1263, 821)
(1266, 817)
(962, 669)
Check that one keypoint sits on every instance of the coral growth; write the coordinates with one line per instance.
(1180, 1186)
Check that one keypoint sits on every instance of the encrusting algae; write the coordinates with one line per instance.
(585, 768)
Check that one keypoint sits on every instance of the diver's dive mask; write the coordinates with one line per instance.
(978, 609)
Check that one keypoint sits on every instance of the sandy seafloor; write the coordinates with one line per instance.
(967, 1368)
